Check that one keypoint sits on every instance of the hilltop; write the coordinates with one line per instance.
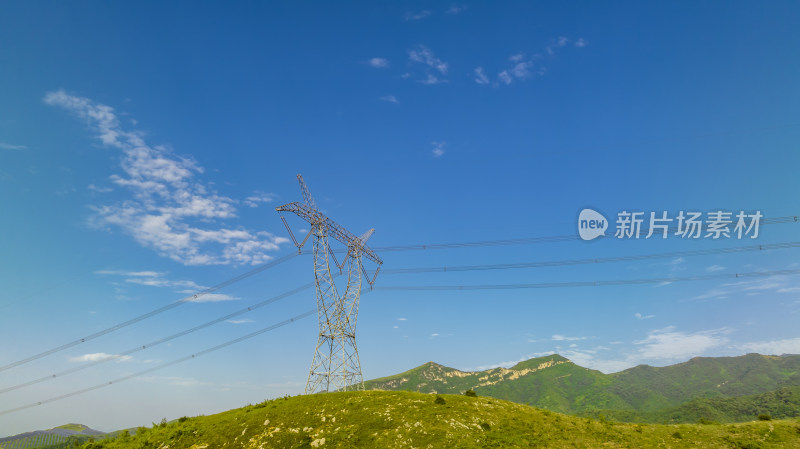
(384, 419)
(725, 389)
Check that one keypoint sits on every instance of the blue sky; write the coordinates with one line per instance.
(144, 146)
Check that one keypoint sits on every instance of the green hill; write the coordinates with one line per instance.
(385, 419)
(56, 438)
(640, 393)
(781, 403)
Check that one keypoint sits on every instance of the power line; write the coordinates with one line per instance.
(163, 365)
(159, 341)
(531, 240)
(558, 263)
(591, 283)
(150, 314)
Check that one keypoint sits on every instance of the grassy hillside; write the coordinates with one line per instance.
(640, 393)
(383, 419)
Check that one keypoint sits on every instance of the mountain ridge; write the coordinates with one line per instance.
(555, 383)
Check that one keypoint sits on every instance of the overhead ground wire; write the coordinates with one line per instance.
(150, 314)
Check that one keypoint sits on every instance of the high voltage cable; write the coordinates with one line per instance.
(150, 314)
(528, 240)
(558, 263)
(415, 288)
(590, 283)
(163, 365)
(159, 341)
(414, 271)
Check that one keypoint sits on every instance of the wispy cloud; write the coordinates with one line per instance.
(774, 284)
(256, 198)
(456, 9)
(510, 363)
(639, 316)
(8, 146)
(438, 148)
(431, 79)
(152, 279)
(557, 337)
(434, 335)
(480, 77)
(504, 77)
(244, 321)
(159, 279)
(774, 347)
(389, 98)
(170, 210)
(521, 67)
(417, 15)
(423, 55)
(213, 297)
(402, 319)
(671, 344)
(99, 356)
(714, 268)
(378, 63)
(97, 189)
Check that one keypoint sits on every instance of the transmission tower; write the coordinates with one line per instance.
(335, 365)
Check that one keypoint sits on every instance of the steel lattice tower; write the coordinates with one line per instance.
(335, 365)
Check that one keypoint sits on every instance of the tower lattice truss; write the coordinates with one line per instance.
(335, 366)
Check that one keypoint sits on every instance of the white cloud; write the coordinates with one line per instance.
(504, 77)
(402, 319)
(417, 15)
(94, 188)
(8, 146)
(213, 297)
(246, 320)
(639, 316)
(100, 356)
(714, 268)
(159, 279)
(389, 98)
(395, 327)
(425, 56)
(776, 284)
(431, 79)
(580, 43)
(510, 363)
(434, 335)
(775, 347)
(669, 344)
(557, 337)
(378, 63)
(456, 9)
(516, 57)
(258, 197)
(522, 69)
(170, 210)
(480, 77)
(438, 148)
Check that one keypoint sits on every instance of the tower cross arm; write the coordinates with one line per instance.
(315, 217)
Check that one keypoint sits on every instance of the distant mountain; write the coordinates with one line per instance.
(642, 393)
(61, 436)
